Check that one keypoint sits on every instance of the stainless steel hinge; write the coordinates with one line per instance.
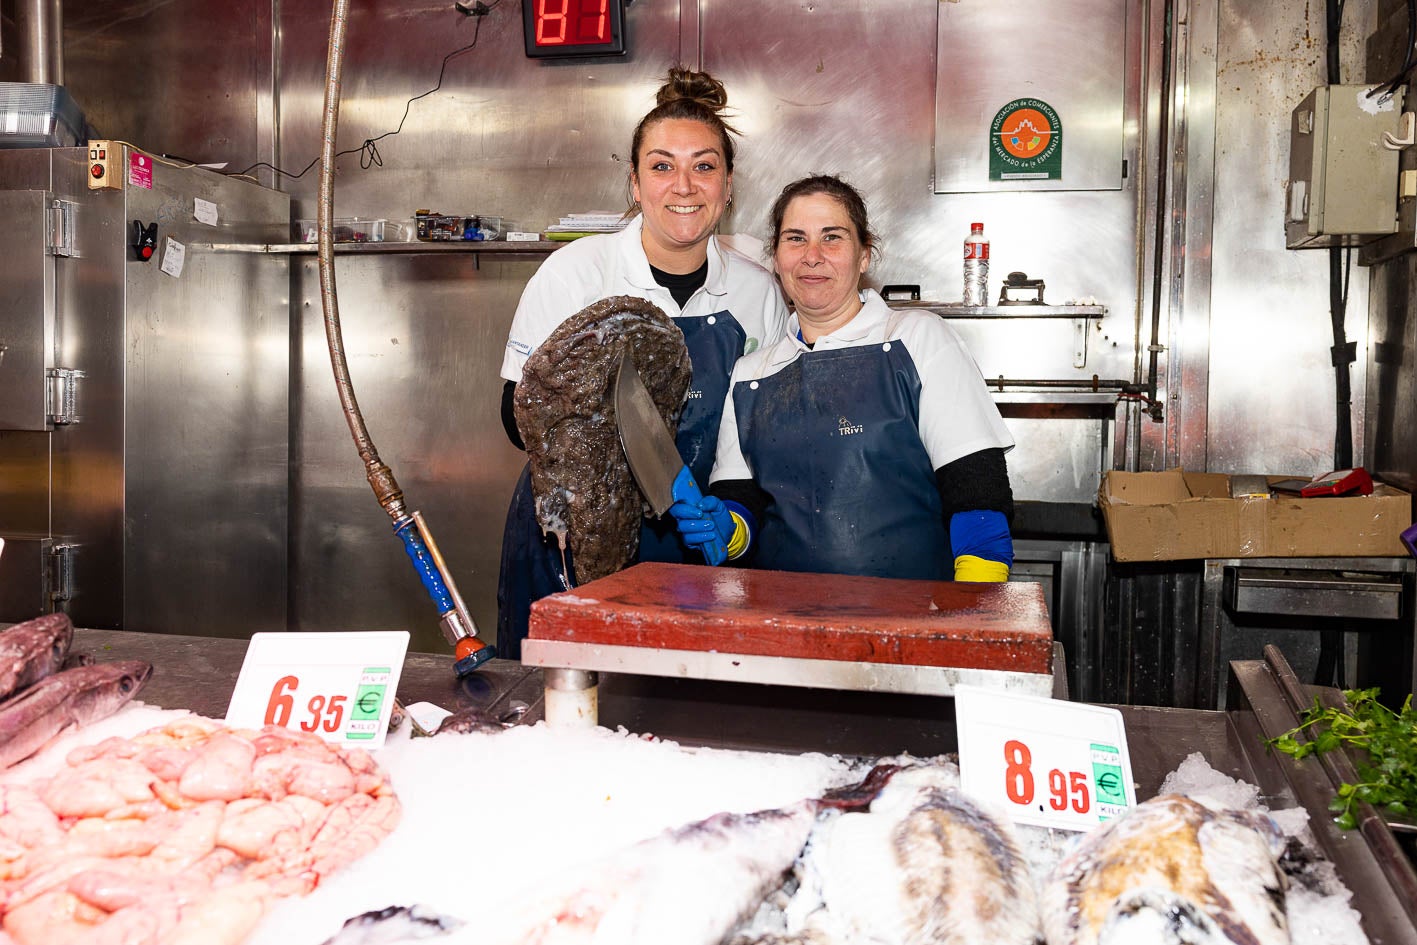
(59, 574)
(61, 227)
(63, 395)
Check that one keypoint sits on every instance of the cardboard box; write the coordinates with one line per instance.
(1174, 515)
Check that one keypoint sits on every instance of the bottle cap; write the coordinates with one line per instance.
(976, 227)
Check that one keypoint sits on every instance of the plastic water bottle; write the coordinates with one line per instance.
(976, 266)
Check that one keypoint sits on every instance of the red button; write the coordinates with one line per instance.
(96, 171)
(147, 252)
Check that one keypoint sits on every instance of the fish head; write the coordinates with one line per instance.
(104, 688)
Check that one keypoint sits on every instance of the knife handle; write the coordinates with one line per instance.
(685, 489)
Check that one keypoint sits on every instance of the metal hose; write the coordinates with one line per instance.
(381, 478)
(457, 623)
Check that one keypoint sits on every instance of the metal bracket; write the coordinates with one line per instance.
(1080, 326)
(61, 227)
(63, 395)
(1409, 134)
(59, 575)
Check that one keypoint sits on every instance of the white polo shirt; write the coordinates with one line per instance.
(596, 267)
(957, 416)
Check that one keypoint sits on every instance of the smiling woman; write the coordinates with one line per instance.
(682, 185)
(681, 179)
(863, 439)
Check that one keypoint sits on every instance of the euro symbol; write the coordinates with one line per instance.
(1108, 783)
(369, 702)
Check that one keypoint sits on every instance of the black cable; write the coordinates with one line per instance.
(1342, 353)
(369, 151)
(1163, 159)
(1329, 670)
(1387, 88)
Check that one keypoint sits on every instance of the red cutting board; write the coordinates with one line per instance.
(812, 616)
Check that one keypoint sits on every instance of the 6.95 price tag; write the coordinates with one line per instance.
(339, 686)
(1049, 763)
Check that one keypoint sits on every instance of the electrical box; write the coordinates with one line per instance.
(105, 159)
(1343, 178)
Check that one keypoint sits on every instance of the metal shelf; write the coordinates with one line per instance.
(480, 247)
(956, 310)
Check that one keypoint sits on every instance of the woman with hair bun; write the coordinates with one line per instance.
(681, 182)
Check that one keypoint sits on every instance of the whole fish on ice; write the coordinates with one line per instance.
(32, 650)
(70, 699)
(1171, 871)
(689, 886)
(925, 865)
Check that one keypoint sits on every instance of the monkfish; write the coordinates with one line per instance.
(1171, 871)
(926, 864)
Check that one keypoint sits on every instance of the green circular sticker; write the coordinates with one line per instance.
(1026, 142)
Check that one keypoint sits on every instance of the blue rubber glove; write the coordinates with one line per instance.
(705, 525)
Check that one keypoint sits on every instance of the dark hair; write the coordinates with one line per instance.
(834, 187)
(696, 96)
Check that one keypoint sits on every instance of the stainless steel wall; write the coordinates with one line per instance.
(1249, 383)
(844, 87)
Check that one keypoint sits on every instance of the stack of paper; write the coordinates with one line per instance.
(590, 221)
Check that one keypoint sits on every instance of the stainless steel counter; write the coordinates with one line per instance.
(198, 673)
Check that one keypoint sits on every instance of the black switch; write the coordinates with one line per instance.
(144, 240)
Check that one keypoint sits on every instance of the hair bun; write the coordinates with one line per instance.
(697, 87)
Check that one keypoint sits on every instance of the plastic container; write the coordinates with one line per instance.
(352, 230)
(434, 227)
(976, 266)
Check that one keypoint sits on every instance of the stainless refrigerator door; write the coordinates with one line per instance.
(27, 304)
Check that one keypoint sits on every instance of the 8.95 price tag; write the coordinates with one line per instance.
(339, 686)
(1049, 763)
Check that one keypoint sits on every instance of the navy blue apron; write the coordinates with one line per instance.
(715, 344)
(834, 438)
(532, 563)
(531, 568)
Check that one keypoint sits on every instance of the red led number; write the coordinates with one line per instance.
(546, 20)
(1065, 789)
(586, 21)
(321, 712)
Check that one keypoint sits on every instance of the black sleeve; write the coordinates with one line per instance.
(509, 417)
(977, 482)
(746, 493)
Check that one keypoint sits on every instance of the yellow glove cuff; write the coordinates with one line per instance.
(980, 570)
(739, 542)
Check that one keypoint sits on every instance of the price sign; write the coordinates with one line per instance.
(1049, 763)
(339, 686)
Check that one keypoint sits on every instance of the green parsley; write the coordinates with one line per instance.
(1386, 759)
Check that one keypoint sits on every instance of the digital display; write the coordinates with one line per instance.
(555, 28)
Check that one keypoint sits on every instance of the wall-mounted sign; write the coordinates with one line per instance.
(1026, 142)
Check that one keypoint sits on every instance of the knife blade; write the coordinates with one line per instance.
(649, 447)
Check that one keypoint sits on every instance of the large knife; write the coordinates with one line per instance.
(655, 462)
